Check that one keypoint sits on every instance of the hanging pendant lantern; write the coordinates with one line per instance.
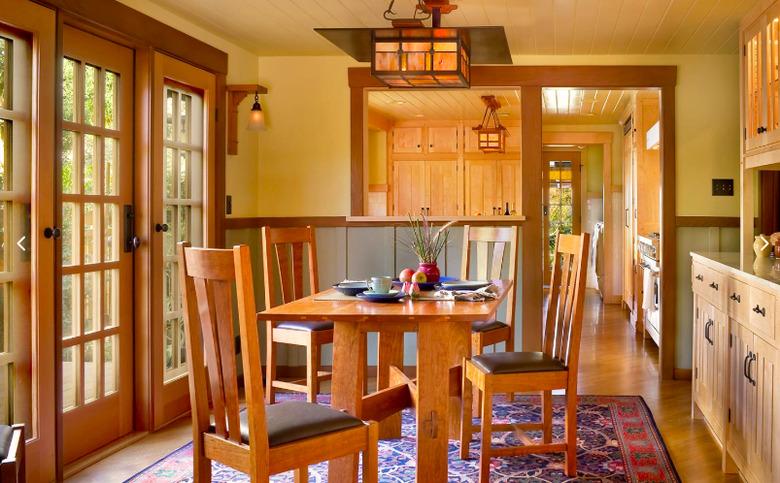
(491, 134)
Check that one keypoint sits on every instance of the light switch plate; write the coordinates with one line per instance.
(722, 187)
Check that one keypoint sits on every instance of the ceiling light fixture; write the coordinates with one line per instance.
(412, 55)
(491, 134)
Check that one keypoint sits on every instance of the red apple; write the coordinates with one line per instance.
(419, 277)
(406, 275)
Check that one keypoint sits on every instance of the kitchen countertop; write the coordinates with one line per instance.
(764, 269)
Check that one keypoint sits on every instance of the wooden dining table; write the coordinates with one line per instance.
(443, 339)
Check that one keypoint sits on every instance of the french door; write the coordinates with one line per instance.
(96, 184)
(561, 191)
(27, 54)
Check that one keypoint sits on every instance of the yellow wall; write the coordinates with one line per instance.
(304, 155)
(707, 129)
(241, 171)
(377, 156)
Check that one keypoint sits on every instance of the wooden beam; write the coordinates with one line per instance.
(707, 221)
(668, 258)
(532, 231)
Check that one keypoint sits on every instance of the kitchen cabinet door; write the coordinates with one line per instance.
(409, 187)
(741, 393)
(482, 187)
(407, 140)
(443, 139)
(509, 172)
(442, 184)
(719, 346)
(513, 140)
(699, 354)
(764, 456)
(754, 85)
(772, 74)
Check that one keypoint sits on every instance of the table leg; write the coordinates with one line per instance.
(433, 373)
(390, 353)
(460, 347)
(349, 365)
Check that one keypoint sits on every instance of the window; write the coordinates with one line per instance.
(182, 210)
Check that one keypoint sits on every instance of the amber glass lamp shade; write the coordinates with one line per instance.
(256, 117)
(491, 140)
(420, 57)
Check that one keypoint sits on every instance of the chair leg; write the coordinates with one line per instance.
(547, 416)
(509, 346)
(312, 370)
(487, 423)
(371, 455)
(302, 474)
(466, 409)
(476, 349)
(201, 465)
(270, 365)
(571, 432)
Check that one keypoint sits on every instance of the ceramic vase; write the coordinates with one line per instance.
(431, 271)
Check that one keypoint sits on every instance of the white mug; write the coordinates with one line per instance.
(381, 284)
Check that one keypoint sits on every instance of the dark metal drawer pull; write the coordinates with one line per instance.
(750, 368)
(760, 310)
(707, 326)
(714, 285)
(700, 278)
(736, 298)
(745, 363)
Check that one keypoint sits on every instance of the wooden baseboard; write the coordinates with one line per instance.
(682, 374)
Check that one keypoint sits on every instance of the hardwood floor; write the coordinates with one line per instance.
(613, 361)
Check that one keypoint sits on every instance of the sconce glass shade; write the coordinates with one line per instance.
(421, 57)
(256, 117)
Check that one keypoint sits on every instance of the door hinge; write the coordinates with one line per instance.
(744, 50)
(731, 340)
(729, 415)
(697, 312)
(695, 372)
(744, 133)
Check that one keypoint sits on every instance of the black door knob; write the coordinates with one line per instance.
(161, 227)
(51, 232)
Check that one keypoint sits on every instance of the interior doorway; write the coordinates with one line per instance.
(561, 196)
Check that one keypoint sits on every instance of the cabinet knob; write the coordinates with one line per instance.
(761, 130)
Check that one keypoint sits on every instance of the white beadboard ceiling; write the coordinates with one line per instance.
(533, 27)
(559, 105)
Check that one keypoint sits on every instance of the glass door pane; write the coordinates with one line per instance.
(181, 211)
(95, 182)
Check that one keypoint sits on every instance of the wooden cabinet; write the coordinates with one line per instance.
(761, 80)
(490, 185)
(408, 140)
(736, 385)
(443, 139)
(428, 187)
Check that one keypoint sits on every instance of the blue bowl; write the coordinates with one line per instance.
(351, 288)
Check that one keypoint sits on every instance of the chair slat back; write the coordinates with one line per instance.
(563, 325)
(286, 245)
(207, 277)
(490, 243)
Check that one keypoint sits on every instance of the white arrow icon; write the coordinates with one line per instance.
(19, 243)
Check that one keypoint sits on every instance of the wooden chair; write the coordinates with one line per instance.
(261, 440)
(553, 368)
(12, 454)
(489, 264)
(284, 243)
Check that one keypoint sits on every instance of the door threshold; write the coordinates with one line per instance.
(102, 453)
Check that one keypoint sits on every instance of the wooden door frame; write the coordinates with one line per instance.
(530, 80)
(117, 22)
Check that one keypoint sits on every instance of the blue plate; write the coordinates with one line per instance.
(381, 297)
(351, 288)
(427, 286)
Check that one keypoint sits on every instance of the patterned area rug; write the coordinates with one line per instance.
(617, 438)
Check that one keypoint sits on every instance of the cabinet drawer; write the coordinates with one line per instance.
(715, 288)
(762, 313)
(698, 276)
(738, 300)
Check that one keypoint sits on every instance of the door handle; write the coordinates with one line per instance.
(161, 227)
(707, 326)
(131, 240)
(745, 364)
(753, 357)
(52, 232)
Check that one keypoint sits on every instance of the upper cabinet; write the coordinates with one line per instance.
(443, 139)
(408, 140)
(761, 81)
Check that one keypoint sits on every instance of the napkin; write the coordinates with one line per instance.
(480, 295)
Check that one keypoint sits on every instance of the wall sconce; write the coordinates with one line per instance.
(236, 94)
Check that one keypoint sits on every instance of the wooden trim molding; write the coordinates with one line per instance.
(360, 221)
(708, 221)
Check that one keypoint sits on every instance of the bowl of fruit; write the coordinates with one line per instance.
(409, 275)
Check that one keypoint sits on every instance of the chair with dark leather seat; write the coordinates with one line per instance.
(286, 245)
(490, 243)
(555, 367)
(259, 440)
(12, 453)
